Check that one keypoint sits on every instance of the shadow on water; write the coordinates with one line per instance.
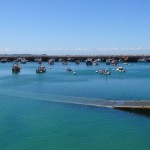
(139, 111)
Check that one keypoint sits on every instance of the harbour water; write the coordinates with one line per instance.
(30, 118)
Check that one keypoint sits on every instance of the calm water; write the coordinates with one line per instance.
(30, 120)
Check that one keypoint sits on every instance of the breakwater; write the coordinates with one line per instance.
(103, 58)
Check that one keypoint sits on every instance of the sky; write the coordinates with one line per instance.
(78, 27)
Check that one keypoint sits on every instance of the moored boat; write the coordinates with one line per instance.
(23, 61)
(77, 62)
(143, 60)
(120, 69)
(95, 63)
(41, 69)
(114, 62)
(68, 69)
(51, 61)
(16, 68)
(3, 60)
(104, 71)
(89, 62)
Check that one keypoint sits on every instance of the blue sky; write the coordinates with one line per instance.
(75, 26)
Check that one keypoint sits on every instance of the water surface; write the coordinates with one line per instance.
(30, 120)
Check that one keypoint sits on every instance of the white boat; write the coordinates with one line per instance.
(51, 61)
(104, 71)
(23, 61)
(74, 73)
(94, 63)
(120, 69)
(142, 60)
(38, 60)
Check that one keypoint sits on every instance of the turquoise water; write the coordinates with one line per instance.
(30, 119)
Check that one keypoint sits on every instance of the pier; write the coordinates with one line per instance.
(136, 106)
(118, 104)
(141, 107)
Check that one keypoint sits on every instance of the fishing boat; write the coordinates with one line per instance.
(89, 62)
(16, 68)
(41, 69)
